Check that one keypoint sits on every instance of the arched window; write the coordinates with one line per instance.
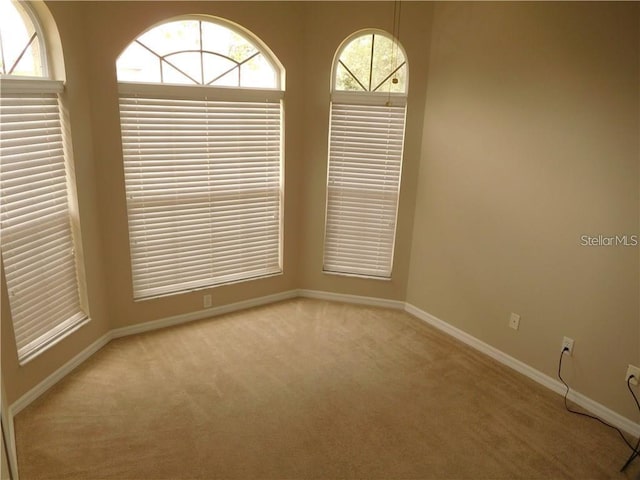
(38, 251)
(197, 52)
(371, 62)
(366, 138)
(201, 121)
(22, 51)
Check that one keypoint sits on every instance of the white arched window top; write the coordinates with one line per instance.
(370, 61)
(195, 51)
(22, 50)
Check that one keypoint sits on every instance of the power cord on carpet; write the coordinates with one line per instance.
(634, 450)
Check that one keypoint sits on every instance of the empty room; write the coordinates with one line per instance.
(320, 240)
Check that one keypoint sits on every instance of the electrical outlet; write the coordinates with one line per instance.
(514, 321)
(206, 300)
(568, 343)
(635, 371)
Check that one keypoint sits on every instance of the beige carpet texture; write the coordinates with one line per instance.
(306, 389)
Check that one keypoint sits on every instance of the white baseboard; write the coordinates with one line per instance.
(592, 406)
(17, 406)
(202, 314)
(9, 453)
(356, 299)
(521, 367)
(56, 376)
(20, 404)
(10, 445)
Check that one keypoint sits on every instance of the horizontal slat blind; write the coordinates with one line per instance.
(365, 161)
(203, 182)
(37, 245)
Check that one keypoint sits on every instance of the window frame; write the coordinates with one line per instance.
(364, 98)
(198, 92)
(17, 85)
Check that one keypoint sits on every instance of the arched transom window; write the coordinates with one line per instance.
(201, 122)
(196, 52)
(366, 138)
(21, 49)
(371, 62)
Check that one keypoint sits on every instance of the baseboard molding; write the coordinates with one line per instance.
(521, 367)
(63, 371)
(26, 399)
(592, 406)
(56, 376)
(17, 406)
(355, 299)
(202, 314)
(10, 445)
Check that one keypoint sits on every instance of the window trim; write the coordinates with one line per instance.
(366, 98)
(19, 84)
(199, 92)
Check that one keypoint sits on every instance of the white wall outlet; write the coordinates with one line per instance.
(567, 343)
(206, 300)
(635, 371)
(514, 321)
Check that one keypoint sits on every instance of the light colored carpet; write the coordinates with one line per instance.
(306, 389)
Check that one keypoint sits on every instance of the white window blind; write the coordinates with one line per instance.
(365, 162)
(37, 243)
(203, 183)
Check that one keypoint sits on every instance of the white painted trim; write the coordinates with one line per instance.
(7, 433)
(60, 373)
(17, 406)
(199, 92)
(511, 362)
(11, 446)
(17, 85)
(201, 314)
(56, 376)
(356, 299)
(26, 399)
(380, 99)
(543, 379)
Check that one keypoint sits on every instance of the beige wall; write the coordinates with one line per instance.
(530, 141)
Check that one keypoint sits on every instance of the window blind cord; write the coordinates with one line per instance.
(634, 450)
(397, 10)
